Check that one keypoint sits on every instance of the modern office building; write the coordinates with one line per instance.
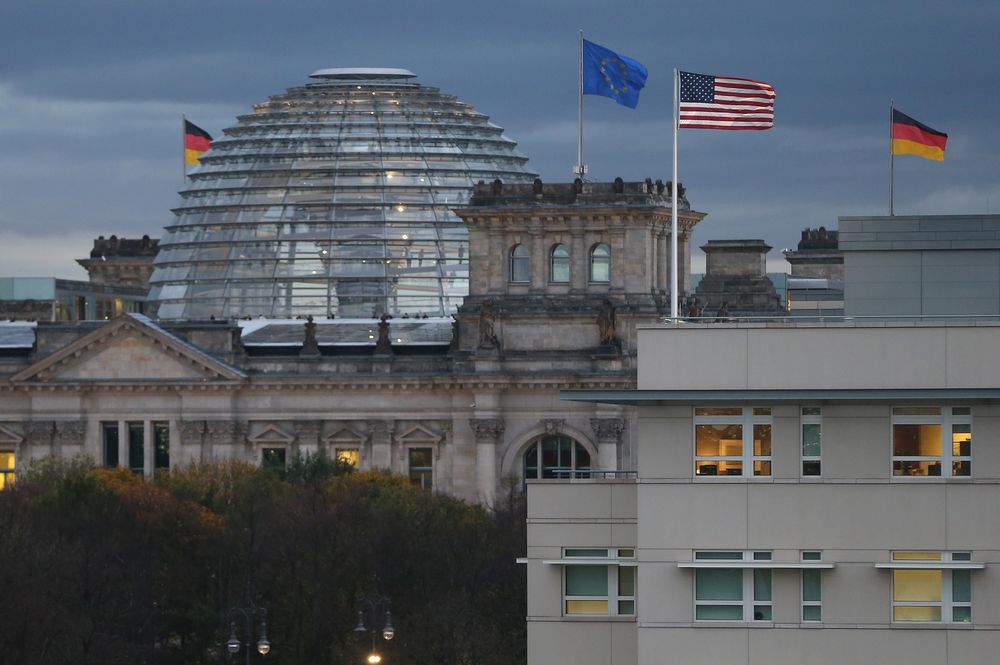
(333, 198)
(560, 275)
(803, 493)
(934, 265)
(54, 299)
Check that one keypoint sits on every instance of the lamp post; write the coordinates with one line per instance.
(373, 610)
(248, 613)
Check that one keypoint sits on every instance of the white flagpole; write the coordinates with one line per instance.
(892, 108)
(184, 168)
(580, 168)
(675, 186)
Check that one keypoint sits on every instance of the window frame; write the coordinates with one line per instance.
(575, 470)
(811, 555)
(523, 260)
(746, 420)
(809, 419)
(8, 474)
(604, 259)
(269, 446)
(748, 576)
(424, 471)
(947, 604)
(563, 260)
(947, 419)
(614, 568)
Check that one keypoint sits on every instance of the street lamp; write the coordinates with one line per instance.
(249, 613)
(370, 609)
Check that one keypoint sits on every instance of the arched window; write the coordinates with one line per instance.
(559, 264)
(556, 456)
(600, 263)
(520, 264)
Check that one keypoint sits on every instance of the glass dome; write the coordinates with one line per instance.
(333, 199)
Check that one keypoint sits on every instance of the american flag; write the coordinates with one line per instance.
(725, 102)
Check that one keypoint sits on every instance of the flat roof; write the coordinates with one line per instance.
(793, 396)
(362, 73)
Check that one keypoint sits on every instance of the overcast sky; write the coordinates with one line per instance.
(92, 92)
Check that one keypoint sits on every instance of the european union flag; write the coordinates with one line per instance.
(611, 75)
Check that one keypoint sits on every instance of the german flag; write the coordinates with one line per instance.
(196, 143)
(910, 137)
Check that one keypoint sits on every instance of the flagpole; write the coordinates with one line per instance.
(184, 170)
(892, 108)
(674, 189)
(580, 169)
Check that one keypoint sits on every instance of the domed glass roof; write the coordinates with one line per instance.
(333, 198)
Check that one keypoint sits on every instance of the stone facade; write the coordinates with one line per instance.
(384, 394)
(119, 262)
(817, 255)
(735, 281)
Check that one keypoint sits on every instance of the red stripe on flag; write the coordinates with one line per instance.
(917, 135)
(200, 143)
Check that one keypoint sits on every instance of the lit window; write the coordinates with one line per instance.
(136, 447)
(936, 595)
(931, 441)
(732, 441)
(556, 457)
(422, 467)
(811, 441)
(272, 459)
(520, 264)
(812, 589)
(8, 465)
(351, 456)
(600, 263)
(600, 589)
(161, 445)
(732, 594)
(559, 264)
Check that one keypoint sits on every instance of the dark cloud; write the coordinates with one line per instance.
(91, 95)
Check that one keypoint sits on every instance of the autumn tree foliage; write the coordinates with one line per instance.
(99, 566)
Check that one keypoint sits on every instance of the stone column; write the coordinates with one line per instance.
(487, 432)
(69, 433)
(608, 432)
(539, 262)
(38, 436)
(307, 437)
(193, 434)
(579, 264)
(381, 436)
(662, 262)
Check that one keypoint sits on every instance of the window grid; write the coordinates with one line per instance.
(950, 591)
(611, 587)
(732, 441)
(931, 442)
(733, 594)
(811, 432)
(8, 466)
(812, 589)
(520, 264)
(559, 264)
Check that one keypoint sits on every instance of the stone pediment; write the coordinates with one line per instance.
(9, 437)
(131, 348)
(346, 436)
(271, 434)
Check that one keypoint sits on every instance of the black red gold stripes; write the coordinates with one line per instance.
(196, 142)
(910, 137)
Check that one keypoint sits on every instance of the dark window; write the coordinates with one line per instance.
(136, 447)
(422, 467)
(273, 458)
(560, 457)
(161, 446)
(110, 436)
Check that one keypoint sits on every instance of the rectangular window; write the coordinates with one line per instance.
(732, 441)
(605, 590)
(812, 589)
(161, 445)
(137, 447)
(8, 465)
(932, 442)
(732, 594)
(931, 595)
(109, 436)
(272, 459)
(811, 441)
(422, 467)
(351, 456)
